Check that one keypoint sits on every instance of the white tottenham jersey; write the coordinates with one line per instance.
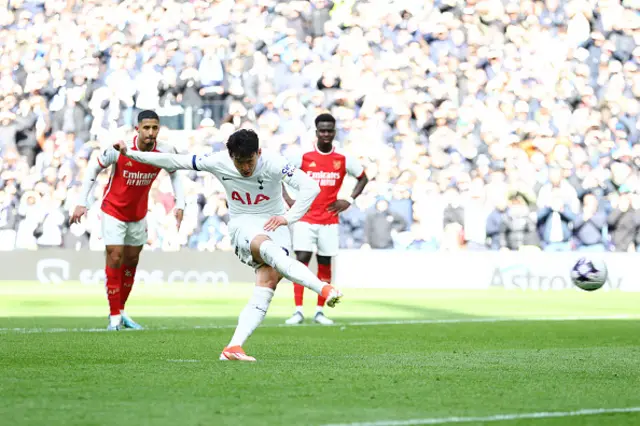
(259, 194)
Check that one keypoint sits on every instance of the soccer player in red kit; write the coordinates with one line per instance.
(124, 208)
(318, 229)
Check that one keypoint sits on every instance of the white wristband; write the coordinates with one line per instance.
(351, 200)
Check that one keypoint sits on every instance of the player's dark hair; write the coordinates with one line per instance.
(243, 143)
(325, 118)
(147, 114)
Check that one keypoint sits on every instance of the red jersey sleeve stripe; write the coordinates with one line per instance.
(361, 175)
(100, 163)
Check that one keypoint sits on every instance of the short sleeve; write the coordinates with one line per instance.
(210, 162)
(295, 159)
(281, 168)
(354, 168)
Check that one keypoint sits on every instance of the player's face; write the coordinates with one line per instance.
(148, 131)
(246, 166)
(325, 132)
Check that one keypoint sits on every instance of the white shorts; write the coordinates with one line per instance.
(312, 236)
(244, 229)
(118, 233)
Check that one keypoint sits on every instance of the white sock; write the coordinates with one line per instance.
(252, 315)
(318, 309)
(115, 320)
(289, 267)
(299, 310)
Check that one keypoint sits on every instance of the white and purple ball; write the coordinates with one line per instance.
(589, 274)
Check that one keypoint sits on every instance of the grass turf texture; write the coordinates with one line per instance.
(315, 375)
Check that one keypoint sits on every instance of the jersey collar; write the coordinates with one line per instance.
(135, 144)
(333, 148)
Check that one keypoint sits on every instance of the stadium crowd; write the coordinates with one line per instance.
(483, 124)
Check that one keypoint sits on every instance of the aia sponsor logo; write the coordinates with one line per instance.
(248, 199)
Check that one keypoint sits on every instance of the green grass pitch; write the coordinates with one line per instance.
(449, 354)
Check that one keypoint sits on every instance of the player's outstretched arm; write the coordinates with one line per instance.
(167, 161)
(178, 193)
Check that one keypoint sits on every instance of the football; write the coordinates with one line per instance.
(589, 274)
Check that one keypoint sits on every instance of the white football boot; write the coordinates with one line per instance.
(320, 318)
(297, 318)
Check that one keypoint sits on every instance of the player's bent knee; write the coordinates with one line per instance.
(115, 255)
(303, 256)
(131, 255)
(266, 276)
(255, 247)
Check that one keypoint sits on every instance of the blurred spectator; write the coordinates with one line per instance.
(422, 238)
(560, 187)
(623, 222)
(475, 213)
(453, 221)
(589, 228)
(519, 225)
(496, 227)
(352, 225)
(25, 137)
(381, 225)
(555, 223)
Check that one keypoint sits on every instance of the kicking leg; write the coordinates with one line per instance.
(129, 265)
(303, 257)
(114, 284)
(266, 251)
(324, 274)
(252, 315)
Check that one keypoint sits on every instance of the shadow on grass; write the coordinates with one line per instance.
(404, 312)
(422, 311)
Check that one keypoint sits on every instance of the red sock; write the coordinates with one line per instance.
(298, 291)
(114, 279)
(324, 274)
(128, 275)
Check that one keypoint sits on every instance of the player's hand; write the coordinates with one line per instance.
(179, 214)
(120, 147)
(77, 214)
(275, 222)
(339, 206)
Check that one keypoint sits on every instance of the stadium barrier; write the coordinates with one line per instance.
(476, 270)
(54, 266)
(353, 269)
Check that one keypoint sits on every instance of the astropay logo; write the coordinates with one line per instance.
(52, 271)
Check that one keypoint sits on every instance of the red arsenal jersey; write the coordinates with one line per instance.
(329, 170)
(126, 196)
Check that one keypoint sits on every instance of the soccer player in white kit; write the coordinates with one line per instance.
(258, 226)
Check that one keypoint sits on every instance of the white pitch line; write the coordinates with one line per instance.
(342, 325)
(183, 360)
(495, 418)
